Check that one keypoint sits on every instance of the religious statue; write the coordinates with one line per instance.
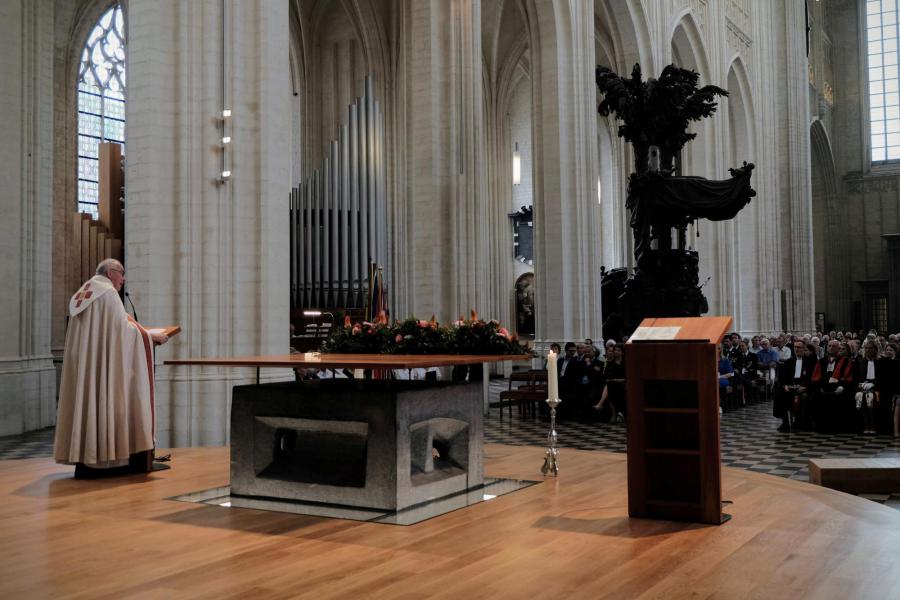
(525, 304)
(655, 116)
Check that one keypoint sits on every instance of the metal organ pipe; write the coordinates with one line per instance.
(381, 187)
(345, 277)
(307, 243)
(370, 173)
(338, 214)
(354, 205)
(363, 192)
(333, 220)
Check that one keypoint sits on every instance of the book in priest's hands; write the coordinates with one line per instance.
(170, 331)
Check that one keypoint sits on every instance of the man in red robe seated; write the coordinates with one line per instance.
(105, 415)
(833, 380)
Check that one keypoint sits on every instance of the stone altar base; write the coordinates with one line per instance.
(385, 445)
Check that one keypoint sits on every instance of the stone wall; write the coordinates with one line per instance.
(456, 80)
(202, 253)
(860, 201)
(27, 376)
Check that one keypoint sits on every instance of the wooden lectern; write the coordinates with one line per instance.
(674, 458)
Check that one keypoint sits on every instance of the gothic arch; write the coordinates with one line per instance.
(687, 45)
(740, 101)
(621, 27)
(296, 52)
(74, 34)
(689, 52)
(614, 164)
(742, 294)
(506, 67)
(565, 176)
(312, 21)
(831, 275)
(699, 159)
(621, 39)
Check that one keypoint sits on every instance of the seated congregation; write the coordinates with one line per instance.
(830, 383)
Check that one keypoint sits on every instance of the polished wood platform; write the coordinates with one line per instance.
(856, 475)
(565, 538)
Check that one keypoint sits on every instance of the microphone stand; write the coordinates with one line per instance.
(133, 310)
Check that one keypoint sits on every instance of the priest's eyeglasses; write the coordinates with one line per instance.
(119, 271)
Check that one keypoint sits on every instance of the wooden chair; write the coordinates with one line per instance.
(762, 388)
(525, 396)
(538, 384)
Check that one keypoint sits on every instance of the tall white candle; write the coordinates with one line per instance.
(552, 380)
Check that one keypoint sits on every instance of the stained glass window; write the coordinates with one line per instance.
(101, 101)
(884, 82)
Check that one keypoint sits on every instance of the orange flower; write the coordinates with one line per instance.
(381, 318)
(473, 314)
(347, 322)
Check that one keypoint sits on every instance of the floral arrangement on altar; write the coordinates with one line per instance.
(416, 336)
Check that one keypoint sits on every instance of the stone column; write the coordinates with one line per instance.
(208, 255)
(797, 161)
(442, 243)
(27, 375)
(499, 174)
(892, 241)
(564, 131)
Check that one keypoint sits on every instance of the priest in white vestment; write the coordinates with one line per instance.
(106, 412)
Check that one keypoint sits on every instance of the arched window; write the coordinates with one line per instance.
(884, 93)
(101, 101)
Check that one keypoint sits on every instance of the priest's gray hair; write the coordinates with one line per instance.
(107, 264)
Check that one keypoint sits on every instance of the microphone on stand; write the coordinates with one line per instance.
(700, 288)
(132, 307)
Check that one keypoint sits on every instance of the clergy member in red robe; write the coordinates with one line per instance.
(106, 413)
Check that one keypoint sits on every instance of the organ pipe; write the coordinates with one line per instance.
(338, 214)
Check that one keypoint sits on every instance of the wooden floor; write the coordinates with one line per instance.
(565, 538)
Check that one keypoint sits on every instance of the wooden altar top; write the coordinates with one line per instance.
(311, 360)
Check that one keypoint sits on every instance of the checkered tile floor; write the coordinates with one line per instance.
(34, 444)
(749, 441)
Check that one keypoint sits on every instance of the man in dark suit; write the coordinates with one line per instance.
(793, 389)
(870, 383)
(745, 364)
(570, 370)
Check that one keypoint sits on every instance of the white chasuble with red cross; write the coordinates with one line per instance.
(106, 410)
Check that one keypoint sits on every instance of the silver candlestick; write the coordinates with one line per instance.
(552, 454)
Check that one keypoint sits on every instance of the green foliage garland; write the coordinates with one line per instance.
(415, 336)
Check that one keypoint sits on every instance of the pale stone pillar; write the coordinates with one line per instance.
(802, 280)
(441, 242)
(500, 200)
(27, 375)
(564, 131)
(766, 86)
(208, 255)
